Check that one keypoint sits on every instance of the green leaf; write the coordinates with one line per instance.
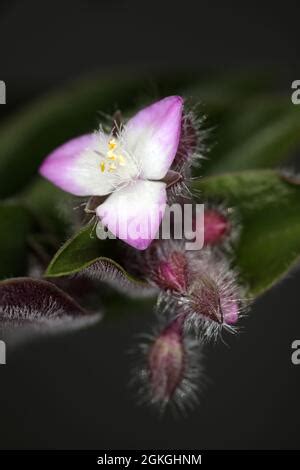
(15, 224)
(220, 95)
(54, 209)
(28, 136)
(268, 208)
(259, 134)
(85, 251)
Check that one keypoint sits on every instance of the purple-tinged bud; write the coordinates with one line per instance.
(221, 227)
(210, 299)
(191, 142)
(166, 362)
(216, 227)
(171, 273)
(189, 154)
(164, 265)
(171, 367)
(201, 284)
(214, 299)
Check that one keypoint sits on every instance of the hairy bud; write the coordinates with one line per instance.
(221, 228)
(191, 142)
(171, 273)
(216, 227)
(166, 362)
(214, 299)
(189, 154)
(201, 284)
(170, 367)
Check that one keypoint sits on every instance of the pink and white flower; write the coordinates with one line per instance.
(127, 166)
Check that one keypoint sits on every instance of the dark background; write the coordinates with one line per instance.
(71, 391)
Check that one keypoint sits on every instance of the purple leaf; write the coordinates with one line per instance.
(30, 305)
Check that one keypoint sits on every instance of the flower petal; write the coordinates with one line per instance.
(75, 166)
(152, 135)
(134, 213)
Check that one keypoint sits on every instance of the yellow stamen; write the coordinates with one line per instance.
(112, 144)
(112, 167)
(111, 155)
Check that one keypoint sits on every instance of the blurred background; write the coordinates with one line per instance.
(71, 392)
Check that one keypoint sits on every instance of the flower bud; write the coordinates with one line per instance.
(201, 284)
(189, 154)
(209, 298)
(216, 227)
(166, 363)
(191, 142)
(171, 367)
(214, 298)
(171, 273)
(220, 228)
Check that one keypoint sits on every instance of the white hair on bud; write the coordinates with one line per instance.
(206, 289)
(187, 391)
(192, 147)
(229, 295)
(191, 150)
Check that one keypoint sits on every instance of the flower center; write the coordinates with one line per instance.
(113, 158)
